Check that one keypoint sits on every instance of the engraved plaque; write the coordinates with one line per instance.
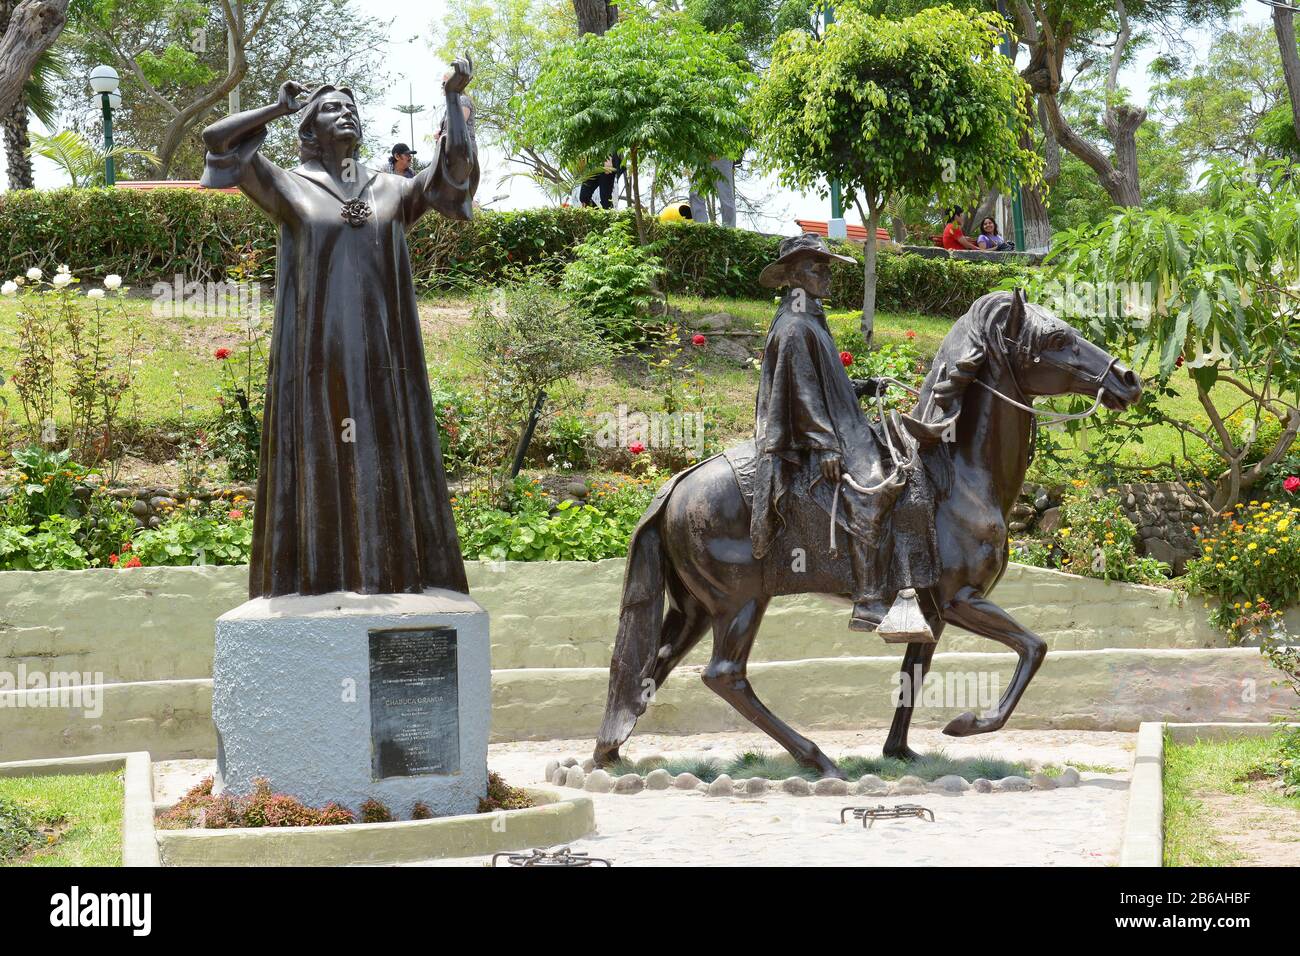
(414, 710)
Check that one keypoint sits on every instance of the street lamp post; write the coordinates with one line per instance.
(103, 80)
(836, 228)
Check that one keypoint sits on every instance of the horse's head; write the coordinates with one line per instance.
(1048, 357)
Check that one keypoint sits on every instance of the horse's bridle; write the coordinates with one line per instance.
(1020, 352)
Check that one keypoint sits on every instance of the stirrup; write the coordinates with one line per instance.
(905, 624)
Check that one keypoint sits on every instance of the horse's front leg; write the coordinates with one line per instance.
(977, 614)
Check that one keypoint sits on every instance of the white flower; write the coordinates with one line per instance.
(19, 280)
(61, 279)
(95, 294)
(9, 288)
(34, 274)
(112, 281)
(65, 270)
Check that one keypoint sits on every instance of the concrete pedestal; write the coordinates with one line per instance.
(345, 697)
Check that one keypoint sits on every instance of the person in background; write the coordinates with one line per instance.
(953, 237)
(399, 161)
(724, 182)
(678, 212)
(989, 240)
(604, 181)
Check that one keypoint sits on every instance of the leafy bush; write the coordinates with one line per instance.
(214, 534)
(1251, 558)
(527, 529)
(205, 235)
(261, 808)
(46, 480)
(1099, 541)
(18, 831)
(613, 278)
(502, 796)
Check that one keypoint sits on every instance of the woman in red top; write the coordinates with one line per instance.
(953, 237)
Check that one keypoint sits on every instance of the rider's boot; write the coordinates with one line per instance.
(869, 607)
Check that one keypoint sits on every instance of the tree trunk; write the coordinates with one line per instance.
(595, 16)
(32, 30)
(869, 272)
(1284, 27)
(1033, 205)
(636, 195)
(19, 164)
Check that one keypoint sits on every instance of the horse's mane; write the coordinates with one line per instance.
(966, 349)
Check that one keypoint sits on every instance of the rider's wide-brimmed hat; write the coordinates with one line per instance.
(795, 249)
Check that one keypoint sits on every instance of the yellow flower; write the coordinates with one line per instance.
(1284, 524)
(1272, 551)
(1065, 532)
(1252, 546)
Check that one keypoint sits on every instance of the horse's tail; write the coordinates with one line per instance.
(640, 628)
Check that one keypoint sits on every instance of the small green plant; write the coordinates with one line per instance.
(1097, 540)
(19, 831)
(261, 808)
(614, 279)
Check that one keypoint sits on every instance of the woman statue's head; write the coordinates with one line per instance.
(989, 226)
(329, 116)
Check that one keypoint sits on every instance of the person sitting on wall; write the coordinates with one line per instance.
(989, 240)
(953, 237)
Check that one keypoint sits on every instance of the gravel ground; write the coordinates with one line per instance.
(1079, 826)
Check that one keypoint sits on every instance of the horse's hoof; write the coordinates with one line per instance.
(963, 725)
(906, 754)
(604, 756)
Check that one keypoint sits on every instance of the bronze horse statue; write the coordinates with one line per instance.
(975, 421)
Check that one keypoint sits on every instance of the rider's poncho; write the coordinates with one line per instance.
(806, 410)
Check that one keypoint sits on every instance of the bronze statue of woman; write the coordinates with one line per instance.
(351, 494)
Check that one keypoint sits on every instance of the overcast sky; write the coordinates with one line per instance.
(416, 72)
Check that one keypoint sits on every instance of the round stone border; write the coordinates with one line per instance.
(583, 775)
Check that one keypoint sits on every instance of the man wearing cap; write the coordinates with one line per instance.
(810, 432)
(399, 161)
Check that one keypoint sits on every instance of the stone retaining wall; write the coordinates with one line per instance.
(147, 624)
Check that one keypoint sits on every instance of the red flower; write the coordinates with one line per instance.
(236, 515)
(846, 358)
(221, 354)
(910, 334)
(1292, 484)
(636, 447)
(697, 339)
(113, 559)
(1179, 362)
(132, 562)
(126, 546)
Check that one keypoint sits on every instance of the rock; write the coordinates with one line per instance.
(721, 787)
(831, 787)
(574, 777)
(577, 489)
(950, 783)
(1022, 511)
(551, 767)
(569, 762)
(702, 788)
(162, 502)
(686, 781)
(1012, 785)
(870, 783)
(139, 508)
(797, 786)
(731, 350)
(1042, 502)
(1041, 781)
(908, 786)
(598, 781)
(982, 786)
(757, 785)
(558, 776)
(659, 779)
(1050, 521)
(588, 765)
(715, 322)
(1069, 778)
(1016, 527)
(629, 783)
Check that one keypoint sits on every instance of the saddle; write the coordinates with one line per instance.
(802, 560)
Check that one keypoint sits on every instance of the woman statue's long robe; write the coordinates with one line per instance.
(351, 495)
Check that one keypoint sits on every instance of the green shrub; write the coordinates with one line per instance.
(1099, 541)
(527, 529)
(613, 278)
(215, 534)
(18, 831)
(204, 236)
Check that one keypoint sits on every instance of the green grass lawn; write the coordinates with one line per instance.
(177, 376)
(1206, 768)
(84, 809)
